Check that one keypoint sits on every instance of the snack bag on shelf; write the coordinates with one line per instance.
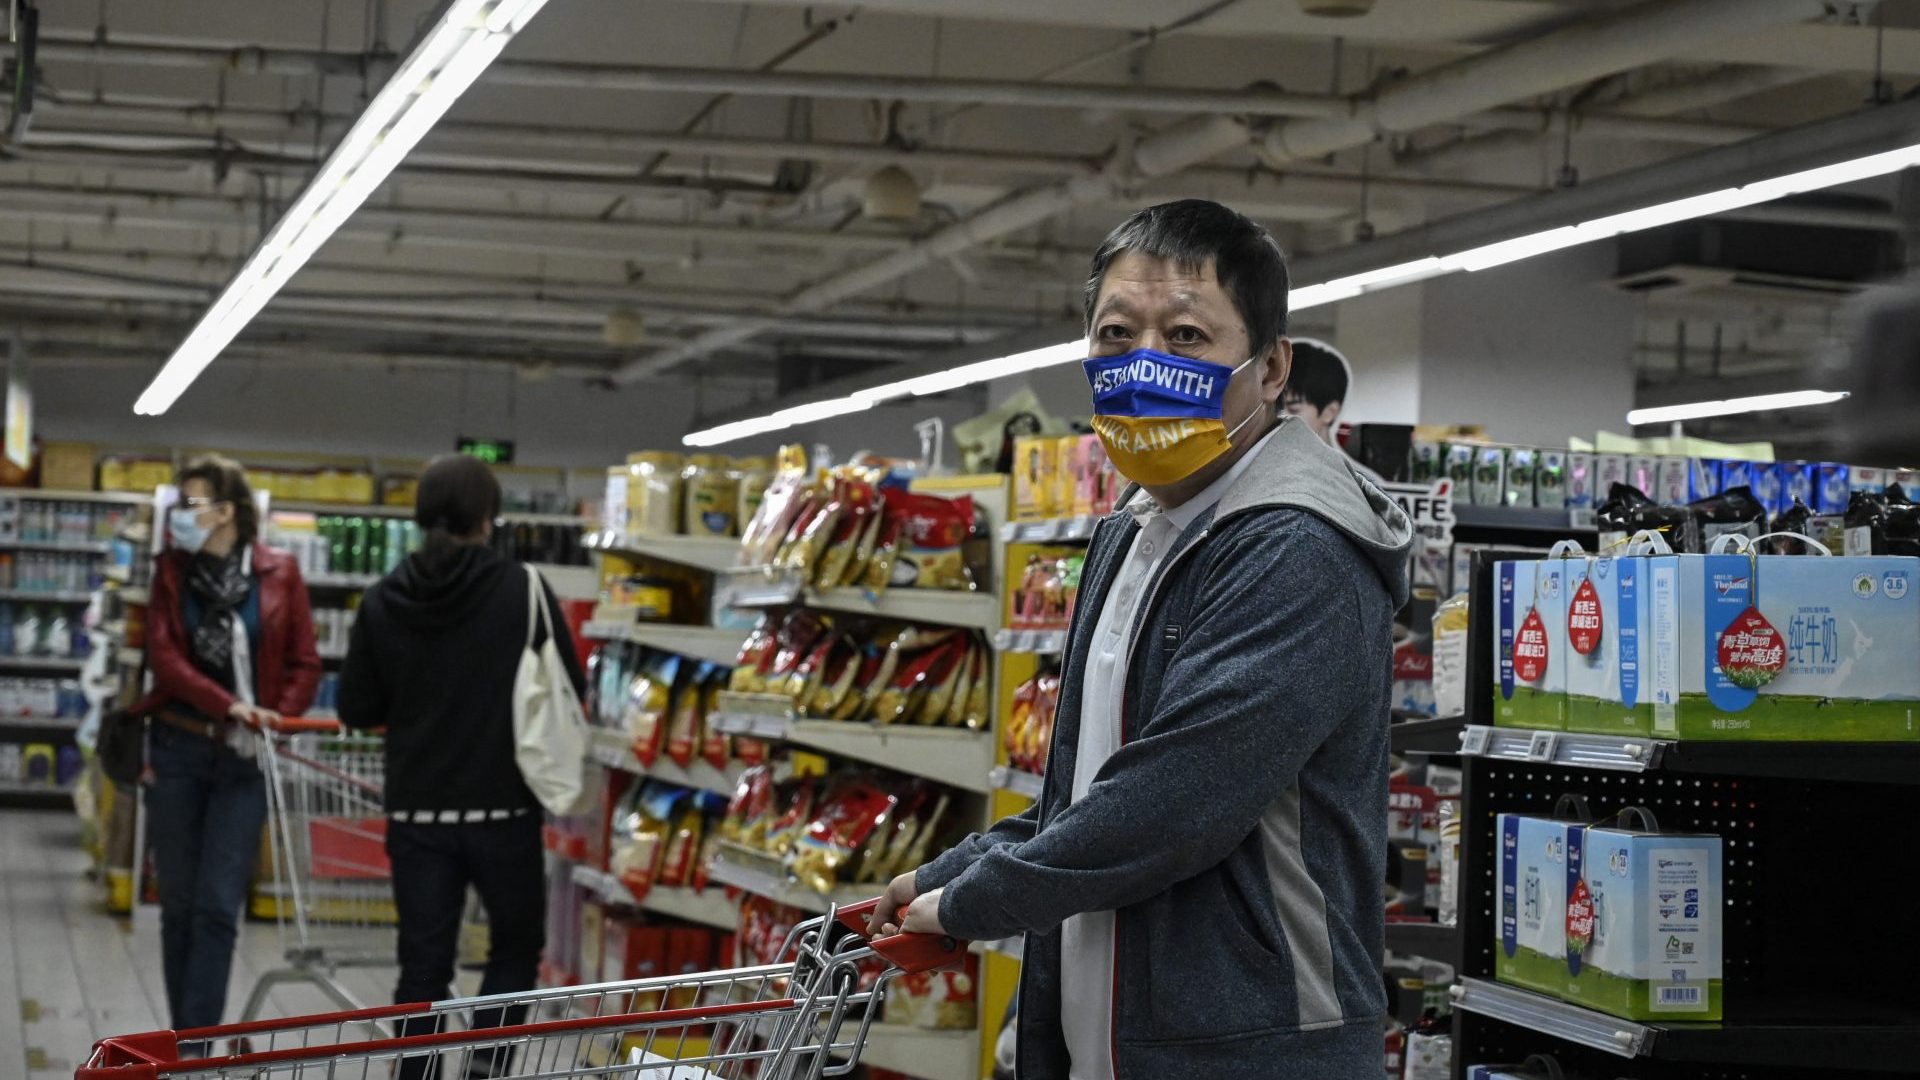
(886, 551)
(955, 714)
(796, 798)
(889, 845)
(649, 700)
(1027, 599)
(686, 727)
(750, 810)
(829, 684)
(677, 859)
(800, 632)
(641, 836)
(932, 827)
(762, 535)
(941, 680)
(855, 504)
(976, 717)
(806, 546)
(941, 1000)
(934, 533)
(1036, 465)
(843, 821)
(807, 678)
(715, 746)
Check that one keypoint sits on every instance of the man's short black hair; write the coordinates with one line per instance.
(1319, 376)
(1194, 232)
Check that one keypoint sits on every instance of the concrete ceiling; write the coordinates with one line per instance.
(548, 200)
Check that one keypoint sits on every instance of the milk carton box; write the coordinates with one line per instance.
(1671, 478)
(1796, 483)
(1530, 644)
(1643, 472)
(1832, 488)
(1523, 466)
(1865, 478)
(1530, 946)
(1608, 470)
(1582, 481)
(1643, 923)
(1608, 608)
(1806, 647)
(1489, 475)
(1767, 485)
(1550, 479)
(1735, 474)
(1703, 478)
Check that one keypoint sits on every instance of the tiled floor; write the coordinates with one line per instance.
(70, 973)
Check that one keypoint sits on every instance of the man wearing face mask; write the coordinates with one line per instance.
(1199, 882)
(229, 642)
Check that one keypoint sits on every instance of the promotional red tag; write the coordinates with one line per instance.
(1751, 653)
(1583, 619)
(1579, 919)
(1530, 648)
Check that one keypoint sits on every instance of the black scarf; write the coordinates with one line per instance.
(221, 584)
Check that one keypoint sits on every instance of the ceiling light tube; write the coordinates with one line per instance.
(442, 67)
(1794, 399)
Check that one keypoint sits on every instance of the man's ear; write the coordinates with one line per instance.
(1279, 365)
(1332, 412)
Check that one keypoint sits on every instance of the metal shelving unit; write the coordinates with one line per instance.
(1037, 642)
(42, 663)
(1049, 530)
(84, 547)
(1018, 781)
(709, 643)
(954, 756)
(612, 749)
(756, 588)
(709, 908)
(45, 596)
(712, 554)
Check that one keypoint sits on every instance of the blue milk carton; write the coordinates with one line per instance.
(1530, 946)
(1530, 644)
(1796, 482)
(1643, 922)
(1767, 486)
(1608, 613)
(1786, 647)
(1703, 478)
(1832, 488)
(1735, 474)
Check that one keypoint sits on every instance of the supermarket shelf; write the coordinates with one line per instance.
(712, 554)
(86, 547)
(1018, 781)
(954, 756)
(1050, 530)
(128, 656)
(1885, 763)
(128, 498)
(39, 723)
(46, 596)
(298, 506)
(612, 749)
(756, 588)
(1440, 736)
(17, 789)
(341, 581)
(1427, 939)
(528, 517)
(751, 872)
(710, 908)
(1039, 642)
(933, 1055)
(571, 582)
(1521, 518)
(42, 663)
(699, 642)
(1845, 1044)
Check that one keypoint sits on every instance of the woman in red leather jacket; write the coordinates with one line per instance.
(229, 640)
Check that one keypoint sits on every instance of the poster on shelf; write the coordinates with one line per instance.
(1430, 506)
(19, 406)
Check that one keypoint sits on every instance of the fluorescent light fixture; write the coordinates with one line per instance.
(447, 61)
(1795, 399)
(1484, 257)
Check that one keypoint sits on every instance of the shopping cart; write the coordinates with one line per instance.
(805, 1017)
(330, 886)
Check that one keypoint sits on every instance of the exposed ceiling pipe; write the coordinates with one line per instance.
(1728, 84)
(1642, 34)
(1251, 102)
(1629, 38)
(1609, 126)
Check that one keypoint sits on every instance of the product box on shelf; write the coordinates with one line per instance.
(1530, 644)
(1873, 481)
(1608, 613)
(1796, 483)
(1489, 475)
(1643, 922)
(1608, 470)
(1672, 478)
(1425, 461)
(1735, 474)
(1643, 472)
(1791, 647)
(1457, 466)
(1550, 479)
(1703, 478)
(1036, 473)
(1530, 943)
(1580, 480)
(1523, 465)
(1831, 489)
(1768, 485)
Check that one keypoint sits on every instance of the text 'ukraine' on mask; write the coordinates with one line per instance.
(1159, 415)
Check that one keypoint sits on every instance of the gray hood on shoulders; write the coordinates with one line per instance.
(1295, 468)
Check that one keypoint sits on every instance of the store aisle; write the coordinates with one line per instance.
(69, 973)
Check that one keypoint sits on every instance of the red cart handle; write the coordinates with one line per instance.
(909, 952)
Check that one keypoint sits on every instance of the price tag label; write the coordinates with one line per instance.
(1542, 745)
(1473, 741)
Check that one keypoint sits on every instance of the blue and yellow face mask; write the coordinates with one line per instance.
(1159, 415)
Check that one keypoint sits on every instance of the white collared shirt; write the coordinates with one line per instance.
(1087, 941)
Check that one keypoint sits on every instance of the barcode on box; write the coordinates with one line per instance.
(1679, 995)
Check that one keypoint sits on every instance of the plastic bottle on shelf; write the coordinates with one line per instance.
(26, 631)
(59, 635)
(1450, 656)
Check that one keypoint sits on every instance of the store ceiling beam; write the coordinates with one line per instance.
(1868, 131)
(1639, 35)
(1619, 41)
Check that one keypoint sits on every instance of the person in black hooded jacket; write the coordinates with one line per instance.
(433, 657)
